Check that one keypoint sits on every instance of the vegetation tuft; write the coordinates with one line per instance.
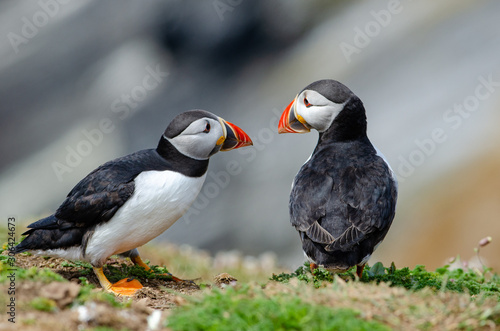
(115, 273)
(459, 280)
(249, 308)
(42, 274)
(43, 304)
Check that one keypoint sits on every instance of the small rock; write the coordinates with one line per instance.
(224, 279)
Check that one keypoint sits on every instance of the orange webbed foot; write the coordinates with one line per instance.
(125, 287)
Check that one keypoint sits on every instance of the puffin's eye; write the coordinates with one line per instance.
(306, 102)
(207, 128)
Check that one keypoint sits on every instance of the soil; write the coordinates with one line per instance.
(155, 295)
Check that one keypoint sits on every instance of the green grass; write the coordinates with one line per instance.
(85, 268)
(473, 282)
(7, 266)
(34, 274)
(43, 304)
(249, 308)
(115, 273)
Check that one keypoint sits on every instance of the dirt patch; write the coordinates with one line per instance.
(159, 294)
(30, 314)
(51, 305)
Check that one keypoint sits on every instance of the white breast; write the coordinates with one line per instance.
(160, 198)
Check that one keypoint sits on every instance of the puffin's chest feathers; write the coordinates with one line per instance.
(334, 159)
(160, 198)
(162, 194)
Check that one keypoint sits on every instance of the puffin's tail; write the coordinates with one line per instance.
(49, 233)
(22, 247)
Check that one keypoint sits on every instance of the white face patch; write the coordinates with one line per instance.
(199, 139)
(316, 110)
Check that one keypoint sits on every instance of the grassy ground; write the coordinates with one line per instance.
(253, 294)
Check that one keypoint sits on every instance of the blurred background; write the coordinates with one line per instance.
(83, 82)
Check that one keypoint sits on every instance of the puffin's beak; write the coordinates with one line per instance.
(292, 122)
(234, 137)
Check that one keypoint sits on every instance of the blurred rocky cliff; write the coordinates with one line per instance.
(82, 82)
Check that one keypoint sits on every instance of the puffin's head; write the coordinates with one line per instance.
(200, 134)
(315, 107)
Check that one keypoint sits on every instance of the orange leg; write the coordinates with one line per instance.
(124, 287)
(313, 266)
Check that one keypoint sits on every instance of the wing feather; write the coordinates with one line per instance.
(318, 234)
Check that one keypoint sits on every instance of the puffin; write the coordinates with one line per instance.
(128, 201)
(343, 199)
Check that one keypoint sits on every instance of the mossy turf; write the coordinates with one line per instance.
(473, 282)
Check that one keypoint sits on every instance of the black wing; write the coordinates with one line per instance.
(369, 194)
(308, 199)
(97, 197)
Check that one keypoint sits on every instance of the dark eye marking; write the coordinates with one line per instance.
(307, 103)
(207, 128)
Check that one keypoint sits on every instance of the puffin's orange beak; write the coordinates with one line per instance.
(292, 123)
(234, 137)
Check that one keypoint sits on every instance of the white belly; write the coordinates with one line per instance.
(160, 198)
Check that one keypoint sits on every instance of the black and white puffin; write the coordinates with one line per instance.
(343, 198)
(128, 201)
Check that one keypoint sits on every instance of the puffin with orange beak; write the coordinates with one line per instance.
(343, 198)
(128, 201)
